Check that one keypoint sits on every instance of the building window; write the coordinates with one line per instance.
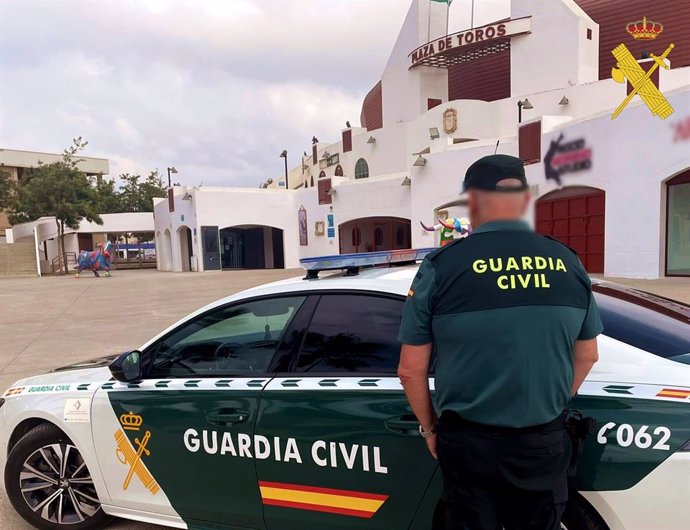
(171, 200)
(678, 226)
(361, 169)
(589, 33)
(433, 102)
(400, 239)
(324, 188)
(338, 170)
(347, 140)
(529, 140)
(356, 237)
(312, 181)
(322, 175)
(378, 236)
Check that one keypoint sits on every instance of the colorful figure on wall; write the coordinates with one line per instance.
(99, 259)
(451, 229)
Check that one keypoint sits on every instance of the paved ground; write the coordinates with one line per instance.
(53, 321)
(50, 322)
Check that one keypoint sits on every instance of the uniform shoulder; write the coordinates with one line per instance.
(571, 249)
(444, 250)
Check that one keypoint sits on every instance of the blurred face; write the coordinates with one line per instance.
(488, 206)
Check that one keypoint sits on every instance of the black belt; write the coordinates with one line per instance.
(453, 419)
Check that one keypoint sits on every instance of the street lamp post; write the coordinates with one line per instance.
(284, 156)
(171, 170)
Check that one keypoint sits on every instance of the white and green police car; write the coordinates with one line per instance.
(279, 408)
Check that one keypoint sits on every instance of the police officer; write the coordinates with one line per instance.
(509, 319)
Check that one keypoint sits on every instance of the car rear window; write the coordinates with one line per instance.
(353, 333)
(645, 321)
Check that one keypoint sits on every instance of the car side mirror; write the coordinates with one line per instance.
(127, 368)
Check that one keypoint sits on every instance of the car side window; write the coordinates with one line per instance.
(352, 333)
(239, 338)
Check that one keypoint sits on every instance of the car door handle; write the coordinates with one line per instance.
(225, 418)
(406, 424)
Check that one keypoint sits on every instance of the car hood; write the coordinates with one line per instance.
(92, 371)
(84, 365)
(67, 377)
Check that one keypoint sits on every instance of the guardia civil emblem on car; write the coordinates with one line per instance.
(279, 408)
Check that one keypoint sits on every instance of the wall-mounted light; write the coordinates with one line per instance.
(187, 197)
(564, 101)
(420, 162)
(523, 105)
(406, 182)
(371, 140)
(331, 192)
(434, 133)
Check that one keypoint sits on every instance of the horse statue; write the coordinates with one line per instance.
(451, 229)
(99, 259)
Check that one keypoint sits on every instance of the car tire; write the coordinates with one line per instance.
(49, 485)
(580, 515)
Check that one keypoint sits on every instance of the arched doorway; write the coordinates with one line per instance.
(370, 234)
(185, 237)
(252, 247)
(678, 225)
(576, 216)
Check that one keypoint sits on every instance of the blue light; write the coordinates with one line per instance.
(363, 259)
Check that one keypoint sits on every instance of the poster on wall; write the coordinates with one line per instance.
(302, 217)
(330, 229)
(566, 157)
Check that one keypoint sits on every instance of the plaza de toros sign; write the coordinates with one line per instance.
(434, 51)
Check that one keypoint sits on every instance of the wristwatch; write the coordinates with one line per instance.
(427, 434)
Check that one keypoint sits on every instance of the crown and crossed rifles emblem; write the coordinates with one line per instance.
(132, 457)
(628, 68)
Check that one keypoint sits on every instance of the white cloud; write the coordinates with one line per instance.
(217, 88)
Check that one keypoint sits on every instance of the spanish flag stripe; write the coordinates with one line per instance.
(329, 491)
(674, 393)
(343, 502)
(321, 499)
(317, 508)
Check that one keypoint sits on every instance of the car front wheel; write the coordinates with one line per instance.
(49, 483)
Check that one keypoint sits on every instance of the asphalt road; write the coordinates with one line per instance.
(50, 322)
(53, 321)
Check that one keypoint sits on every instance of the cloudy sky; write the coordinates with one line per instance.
(217, 88)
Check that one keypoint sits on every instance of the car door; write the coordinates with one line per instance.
(180, 442)
(351, 455)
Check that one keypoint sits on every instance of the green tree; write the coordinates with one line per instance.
(8, 190)
(58, 190)
(137, 195)
(108, 197)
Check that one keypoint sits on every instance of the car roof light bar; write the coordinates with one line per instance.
(352, 263)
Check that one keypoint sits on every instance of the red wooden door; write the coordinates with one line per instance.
(578, 221)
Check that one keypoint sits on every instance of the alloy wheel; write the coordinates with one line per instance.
(56, 484)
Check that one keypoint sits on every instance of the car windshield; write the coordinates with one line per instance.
(651, 323)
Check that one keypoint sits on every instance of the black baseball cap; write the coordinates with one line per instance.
(487, 172)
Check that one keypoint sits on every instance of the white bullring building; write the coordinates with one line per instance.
(539, 84)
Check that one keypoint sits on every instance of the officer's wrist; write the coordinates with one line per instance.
(428, 432)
